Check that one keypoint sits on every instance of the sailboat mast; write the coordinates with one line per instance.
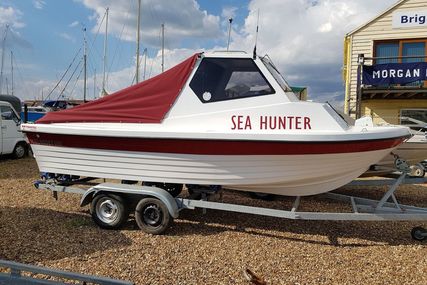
(94, 83)
(145, 62)
(230, 21)
(85, 65)
(137, 41)
(2, 57)
(163, 47)
(103, 92)
(11, 64)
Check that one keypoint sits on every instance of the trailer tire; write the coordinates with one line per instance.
(419, 234)
(417, 170)
(152, 216)
(109, 211)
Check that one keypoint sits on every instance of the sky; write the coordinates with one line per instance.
(45, 39)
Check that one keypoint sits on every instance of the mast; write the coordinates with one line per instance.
(256, 36)
(137, 42)
(229, 32)
(145, 62)
(103, 92)
(2, 57)
(163, 47)
(85, 65)
(94, 84)
(11, 64)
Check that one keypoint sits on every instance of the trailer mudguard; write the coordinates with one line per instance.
(147, 191)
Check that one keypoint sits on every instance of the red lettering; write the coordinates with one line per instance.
(248, 123)
(298, 123)
(282, 123)
(307, 125)
(234, 123)
(239, 122)
(272, 122)
(263, 122)
(291, 119)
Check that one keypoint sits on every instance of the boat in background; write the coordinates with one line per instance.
(223, 118)
(413, 151)
(33, 113)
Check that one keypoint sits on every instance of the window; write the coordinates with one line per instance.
(219, 79)
(8, 114)
(397, 50)
(413, 49)
(387, 50)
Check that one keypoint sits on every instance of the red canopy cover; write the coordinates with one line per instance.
(146, 102)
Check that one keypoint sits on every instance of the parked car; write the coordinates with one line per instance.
(12, 140)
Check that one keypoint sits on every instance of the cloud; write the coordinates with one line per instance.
(229, 12)
(39, 4)
(67, 37)
(183, 20)
(74, 24)
(304, 37)
(11, 16)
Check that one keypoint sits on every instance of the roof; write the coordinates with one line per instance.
(13, 100)
(146, 102)
(377, 17)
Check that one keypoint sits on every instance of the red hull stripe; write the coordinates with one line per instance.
(210, 147)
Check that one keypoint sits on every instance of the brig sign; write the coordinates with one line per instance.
(410, 19)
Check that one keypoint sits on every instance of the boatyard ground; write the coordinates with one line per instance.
(209, 249)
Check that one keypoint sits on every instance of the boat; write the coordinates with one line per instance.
(413, 152)
(220, 118)
(33, 113)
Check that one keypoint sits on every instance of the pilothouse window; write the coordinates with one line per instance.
(219, 79)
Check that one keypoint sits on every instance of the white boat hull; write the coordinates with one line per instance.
(293, 175)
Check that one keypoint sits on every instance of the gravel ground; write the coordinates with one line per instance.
(208, 249)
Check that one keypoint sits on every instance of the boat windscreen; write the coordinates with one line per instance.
(220, 79)
(276, 74)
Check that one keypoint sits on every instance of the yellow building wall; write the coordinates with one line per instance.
(388, 111)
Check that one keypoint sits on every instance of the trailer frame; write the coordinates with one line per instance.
(16, 276)
(362, 209)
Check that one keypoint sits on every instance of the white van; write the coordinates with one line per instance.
(12, 140)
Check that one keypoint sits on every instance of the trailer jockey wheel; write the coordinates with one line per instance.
(109, 211)
(152, 216)
(417, 170)
(419, 234)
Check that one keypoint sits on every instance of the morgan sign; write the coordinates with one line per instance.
(394, 73)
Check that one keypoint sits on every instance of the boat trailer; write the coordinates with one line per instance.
(23, 274)
(155, 208)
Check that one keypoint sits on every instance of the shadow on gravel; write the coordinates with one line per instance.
(18, 168)
(31, 235)
(332, 233)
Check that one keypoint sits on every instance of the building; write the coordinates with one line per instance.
(300, 92)
(385, 68)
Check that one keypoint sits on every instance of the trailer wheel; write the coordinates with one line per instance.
(109, 211)
(419, 234)
(152, 216)
(417, 170)
(172, 188)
